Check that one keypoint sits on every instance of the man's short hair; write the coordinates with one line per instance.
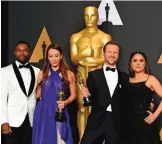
(110, 43)
(22, 42)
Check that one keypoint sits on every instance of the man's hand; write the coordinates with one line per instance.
(84, 92)
(99, 67)
(6, 129)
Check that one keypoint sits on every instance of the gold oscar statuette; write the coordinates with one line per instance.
(87, 100)
(60, 115)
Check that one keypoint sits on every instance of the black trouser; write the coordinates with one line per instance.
(2, 138)
(106, 131)
(20, 135)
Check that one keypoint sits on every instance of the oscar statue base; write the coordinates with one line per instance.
(60, 116)
(87, 101)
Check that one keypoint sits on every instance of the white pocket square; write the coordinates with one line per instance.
(120, 86)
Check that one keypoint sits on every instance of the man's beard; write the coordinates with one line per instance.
(111, 63)
(24, 61)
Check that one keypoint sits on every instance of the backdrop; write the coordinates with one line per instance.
(141, 29)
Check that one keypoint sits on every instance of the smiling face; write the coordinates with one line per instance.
(22, 53)
(54, 57)
(138, 63)
(111, 54)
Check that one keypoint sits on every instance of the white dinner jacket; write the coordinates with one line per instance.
(15, 101)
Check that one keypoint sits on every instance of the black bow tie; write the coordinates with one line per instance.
(24, 66)
(110, 69)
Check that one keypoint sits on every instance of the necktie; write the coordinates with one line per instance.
(110, 69)
(24, 66)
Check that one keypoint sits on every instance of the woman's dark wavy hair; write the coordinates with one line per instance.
(130, 70)
(63, 64)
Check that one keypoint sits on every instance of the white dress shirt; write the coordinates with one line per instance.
(112, 80)
(26, 76)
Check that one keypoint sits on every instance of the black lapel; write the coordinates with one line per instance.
(32, 84)
(119, 82)
(104, 82)
(19, 78)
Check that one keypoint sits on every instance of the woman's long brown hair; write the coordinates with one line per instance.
(63, 65)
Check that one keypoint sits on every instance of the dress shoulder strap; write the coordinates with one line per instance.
(147, 78)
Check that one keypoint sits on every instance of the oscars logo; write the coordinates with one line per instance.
(108, 16)
(38, 55)
(111, 14)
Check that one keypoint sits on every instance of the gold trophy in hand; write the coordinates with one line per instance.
(87, 100)
(60, 115)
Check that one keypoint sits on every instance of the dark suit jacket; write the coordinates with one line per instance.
(101, 99)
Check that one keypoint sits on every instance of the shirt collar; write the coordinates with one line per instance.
(104, 67)
(18, 63)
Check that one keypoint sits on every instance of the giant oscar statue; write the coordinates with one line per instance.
(87, 53)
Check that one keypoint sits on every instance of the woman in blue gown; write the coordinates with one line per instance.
(54, 77)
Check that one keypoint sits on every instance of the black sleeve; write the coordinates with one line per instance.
(125, 107)
(90, 83)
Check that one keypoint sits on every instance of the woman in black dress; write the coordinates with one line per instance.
(143, 128)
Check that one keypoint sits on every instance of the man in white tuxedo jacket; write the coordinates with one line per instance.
(18, 101)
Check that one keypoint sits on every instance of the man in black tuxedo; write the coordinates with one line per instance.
(107, 87)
